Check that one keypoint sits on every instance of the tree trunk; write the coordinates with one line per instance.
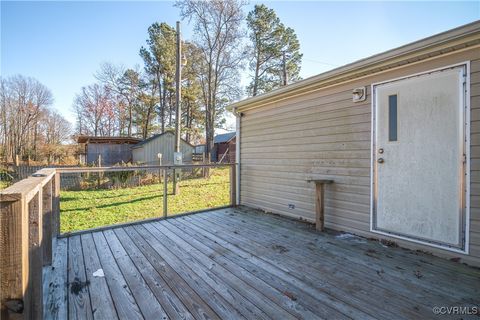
(129, 133)
(255, 81)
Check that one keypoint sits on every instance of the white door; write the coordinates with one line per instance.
(418, 158)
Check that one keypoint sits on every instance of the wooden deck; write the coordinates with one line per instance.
(239, 263)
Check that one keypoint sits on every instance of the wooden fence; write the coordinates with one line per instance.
(29, 223)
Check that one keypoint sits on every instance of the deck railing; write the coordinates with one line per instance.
(29, 223)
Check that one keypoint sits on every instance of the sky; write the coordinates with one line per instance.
(63, 43)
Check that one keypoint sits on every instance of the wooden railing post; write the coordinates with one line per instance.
(56, 205)
(47, 206)
(165, 193)
(35, 232)
(23, 206)
(233, 185)
(14, 262)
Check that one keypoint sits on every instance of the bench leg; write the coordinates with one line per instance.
(319, 206)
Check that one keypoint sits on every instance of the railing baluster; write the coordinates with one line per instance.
(233, 185)
(165, 192)
(56, 205)
(36, 254)
(47, 207)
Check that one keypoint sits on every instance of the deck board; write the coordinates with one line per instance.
(101, 300)
(405, 265)
(240, 263)
(79, 306)
(355, 290)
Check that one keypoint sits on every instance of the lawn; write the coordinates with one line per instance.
(4, 184)
(80, 210)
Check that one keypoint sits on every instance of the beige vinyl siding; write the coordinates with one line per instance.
(323, 134)
(475, 158)
(164, 144)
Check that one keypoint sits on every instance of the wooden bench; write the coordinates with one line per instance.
(319, 201)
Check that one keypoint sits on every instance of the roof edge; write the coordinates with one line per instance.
(143, 142)
(458, 38)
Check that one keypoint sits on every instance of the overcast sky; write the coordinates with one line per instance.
(63, 43)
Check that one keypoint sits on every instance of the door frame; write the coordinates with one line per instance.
(465, 211)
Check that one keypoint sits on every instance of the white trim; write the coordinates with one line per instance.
(467, 106)
(466, 150)
(237, 157)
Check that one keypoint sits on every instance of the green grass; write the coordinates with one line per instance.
(4, 184)
(80, 210)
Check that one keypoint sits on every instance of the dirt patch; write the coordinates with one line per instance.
(290, 295)
(380, 272)
(418, 274)
(388, 243)
(76, 286)
(279, 248)
(371, 253)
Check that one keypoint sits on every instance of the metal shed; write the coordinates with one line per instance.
(111, 150)
(399, 135)
(146, 151)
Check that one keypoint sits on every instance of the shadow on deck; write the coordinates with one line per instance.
(239, 263)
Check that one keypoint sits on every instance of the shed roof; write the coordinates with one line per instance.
(155, 136)
(94, 139)
(457, 39)
(225, 137)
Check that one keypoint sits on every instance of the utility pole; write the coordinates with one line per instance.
(285, 75)
(178, 111)
(178, 76)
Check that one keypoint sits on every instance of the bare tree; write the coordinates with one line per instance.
(29, 127)
(22, 101)
(56, 129)
(95, 109)
(123, 84)
(218, 34)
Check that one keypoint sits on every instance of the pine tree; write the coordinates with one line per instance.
(271, 40)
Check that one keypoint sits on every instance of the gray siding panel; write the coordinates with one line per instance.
(165, 145)
(325, 135)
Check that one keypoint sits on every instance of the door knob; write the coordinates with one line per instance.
(380, 160)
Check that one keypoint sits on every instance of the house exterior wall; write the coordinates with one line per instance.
(112, 153)
(164, 144)
(323, 134)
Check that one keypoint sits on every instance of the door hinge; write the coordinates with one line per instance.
(464, 158)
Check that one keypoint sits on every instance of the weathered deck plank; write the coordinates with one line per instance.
(184, 292)
(102, 303)
(406, 265)
(79, 306)
(55, 286)
(122, 296)
(266, 283)
(216, 253)
(201, 285)
(167, 298)
(287, 284)
(249, 292)
(339, 262)
(320, 270)
(238, 263)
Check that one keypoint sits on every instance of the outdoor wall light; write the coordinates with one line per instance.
(359, 94)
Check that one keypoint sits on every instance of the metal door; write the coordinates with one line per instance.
(418, 184)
